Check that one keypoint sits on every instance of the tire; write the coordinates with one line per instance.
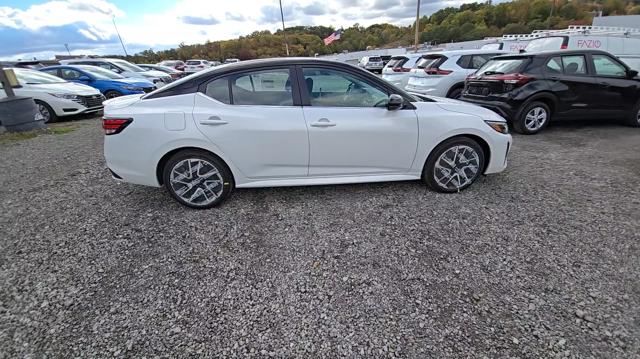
(444, 168)
(532, 118)
(634, 117)
(455, 93)
(46, 112)
(112, 94)
(181, 190)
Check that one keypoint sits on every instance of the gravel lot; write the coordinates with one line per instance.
(541, 261)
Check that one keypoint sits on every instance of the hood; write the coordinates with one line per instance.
(121, 102)
(64, 87)
(466, 108)
(139, 82)
(154, 73)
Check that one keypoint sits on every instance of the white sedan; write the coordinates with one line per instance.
(294, 122)
(54, 96)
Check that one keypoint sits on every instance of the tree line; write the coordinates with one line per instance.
(468, 22)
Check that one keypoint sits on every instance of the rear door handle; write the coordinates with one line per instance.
(323, 122)
(213, 121)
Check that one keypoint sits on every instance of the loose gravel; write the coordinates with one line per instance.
(541, 261)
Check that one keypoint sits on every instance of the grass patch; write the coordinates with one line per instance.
(55, 129)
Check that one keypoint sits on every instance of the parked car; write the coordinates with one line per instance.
(385, 59)
(294, 122)
(109, 83)
(231, 61)
(174, 64)
(54, 96)
(397, 69)
(175, 74)
(532, 89)
(124, 68)
(443, 73)
(196, 65)
(371, 63)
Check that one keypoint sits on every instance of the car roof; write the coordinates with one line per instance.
(548, 53)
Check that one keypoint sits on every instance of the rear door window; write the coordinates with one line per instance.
(554, 65)
(219, 90)
(574, 65)
(262, 88)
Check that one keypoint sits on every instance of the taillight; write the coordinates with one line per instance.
(400, 69)
(513, 79)
(436, 71)
(563, 47)
(112, 126)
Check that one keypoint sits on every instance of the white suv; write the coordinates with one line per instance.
(397, 69)
(443, 73)
(192, 66)
(371, 63)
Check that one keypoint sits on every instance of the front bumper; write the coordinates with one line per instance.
(83, 104)
(500, 152)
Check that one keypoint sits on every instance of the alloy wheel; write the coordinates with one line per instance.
(196, 181)
(535, 119)
(45, 115)
(457, 167)
(111, 94)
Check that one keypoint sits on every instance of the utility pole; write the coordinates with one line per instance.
(417, 26)
(66, 46)
(119, 37)
(284, 33)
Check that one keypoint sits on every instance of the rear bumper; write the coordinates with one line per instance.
(504, 109)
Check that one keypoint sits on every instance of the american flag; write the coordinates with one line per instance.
(333, 37)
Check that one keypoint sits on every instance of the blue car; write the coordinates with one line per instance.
(108, 82)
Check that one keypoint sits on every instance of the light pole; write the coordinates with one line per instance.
(66, 46)
(417, 26)
(284, 34)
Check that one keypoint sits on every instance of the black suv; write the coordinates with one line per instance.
(530, 89)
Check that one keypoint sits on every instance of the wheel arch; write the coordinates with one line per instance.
(486, 149)
(545, 97)
(459, 85)
(165, 158)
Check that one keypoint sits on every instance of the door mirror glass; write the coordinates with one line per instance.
(395, 102)
(632, 73)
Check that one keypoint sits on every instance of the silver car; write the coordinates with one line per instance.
(372, 63)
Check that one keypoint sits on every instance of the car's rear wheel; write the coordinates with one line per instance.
(112, 94)
(46, 112)
(532, 118)
(634, 116)
(197, 179)
(454, 165)
(455, 93)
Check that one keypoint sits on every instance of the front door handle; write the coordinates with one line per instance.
(213, 121)
(323, 122)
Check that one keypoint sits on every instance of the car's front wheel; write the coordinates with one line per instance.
(634, 116)
(112, 94)
(197, 179)
(454, 165)
(532, 118)
(45, 112)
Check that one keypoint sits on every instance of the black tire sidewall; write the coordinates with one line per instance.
(106, 94)
(455, 91)
(52, 115)
(227, 178)
(428, 173)
(519, 122)
(633, 117)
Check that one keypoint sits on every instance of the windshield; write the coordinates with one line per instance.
(501, 66)
(100, 73)
(547, 43)
(128, 66)
(31, 77)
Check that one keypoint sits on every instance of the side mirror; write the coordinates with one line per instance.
(632, 74)
(395, 102)
(84, 78)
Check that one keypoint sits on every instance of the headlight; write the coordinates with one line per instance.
(499, 126)
(132, 88)
(67, 96)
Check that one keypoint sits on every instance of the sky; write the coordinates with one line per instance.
(41, 28)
